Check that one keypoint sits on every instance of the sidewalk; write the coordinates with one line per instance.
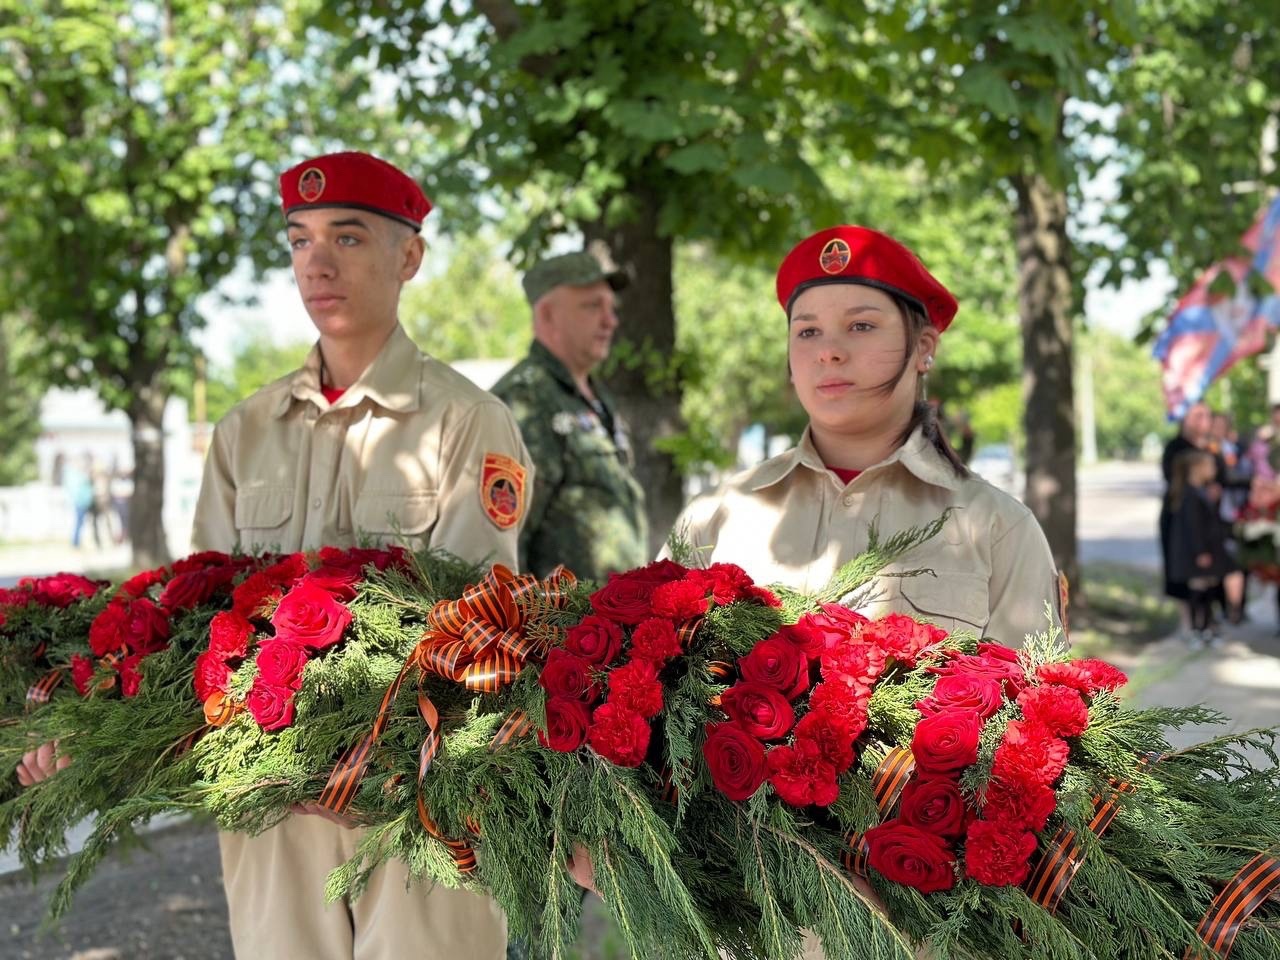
(41, 559)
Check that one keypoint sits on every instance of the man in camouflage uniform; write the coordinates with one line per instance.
(587, 510)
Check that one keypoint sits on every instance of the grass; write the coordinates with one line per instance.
(1124, 608)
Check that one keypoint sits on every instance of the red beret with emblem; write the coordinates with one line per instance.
(850, 254)
(356, 180)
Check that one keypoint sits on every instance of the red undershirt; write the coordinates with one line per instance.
(332, 394)
(845, 476)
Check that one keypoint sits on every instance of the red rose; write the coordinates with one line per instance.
(310, 616)
(901, 637)
(211, 674)
(619, 735)
(946, 742)
(777, 662)
(145, 628)
(81, 673)
(655, 640)
(355, 559)
(830, 735)
(271, 707)
(140, 583)
(190, 589)
(853, 663)
(1008, 672)
(997, 856)
(229, 635)
(911, 856)
(1025, 804)
(680, 600)
(198, 561)
(845, 705)
(1059, 709)
(762, 711)
(567, 722)
(624, 599)
(806, 635)
(339, 582)
(635, 686)
(837, 625)
(801, 776)
(998, 651)
(964, 691)
(281, 662)
(106, 632)
(735, 759)
(566, 674)
(934, 804)
(1030, 752)
(658, 572)
(130, 677)
(596, 640)
(63, 589)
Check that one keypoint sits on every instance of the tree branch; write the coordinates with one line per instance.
(506, 21)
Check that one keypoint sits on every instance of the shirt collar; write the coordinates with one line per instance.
(544, 358)
(391, 381)
(918, 456)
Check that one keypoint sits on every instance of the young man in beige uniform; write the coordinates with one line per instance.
(369, 437)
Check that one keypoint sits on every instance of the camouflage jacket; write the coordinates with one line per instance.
(587, 508)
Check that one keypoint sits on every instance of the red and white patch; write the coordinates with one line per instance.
(835, 256)
(311, 184)
(502, 490)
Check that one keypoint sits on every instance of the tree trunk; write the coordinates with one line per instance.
(647, 392)
(1044, 305)
(146, 508)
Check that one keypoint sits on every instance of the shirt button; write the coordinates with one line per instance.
(848, 501)
(316, 503)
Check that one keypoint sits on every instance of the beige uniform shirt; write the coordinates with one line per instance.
(791, 521)
(403, 448)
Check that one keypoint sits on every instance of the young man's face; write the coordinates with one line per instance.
(350, 266)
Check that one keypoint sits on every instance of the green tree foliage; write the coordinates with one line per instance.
(137, 162)
(19, 403)
(1127, 402)
(257, 361)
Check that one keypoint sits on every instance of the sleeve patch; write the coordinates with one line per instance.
(502, 490)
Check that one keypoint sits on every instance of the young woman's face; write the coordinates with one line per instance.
(846, 345)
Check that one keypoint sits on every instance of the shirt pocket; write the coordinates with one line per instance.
(383, 514)
(952, 600)
(262, 517)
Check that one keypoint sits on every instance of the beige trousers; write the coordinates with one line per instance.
(275, 893)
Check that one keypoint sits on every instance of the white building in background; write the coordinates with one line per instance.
(74, 423)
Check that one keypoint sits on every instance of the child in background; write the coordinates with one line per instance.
(1197, 549)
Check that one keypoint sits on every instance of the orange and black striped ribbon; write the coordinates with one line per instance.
(1257, 881)
(40, 649)
(42, 689)
(887, 782)
(670, 793)
(1057, 866)
(515, 726)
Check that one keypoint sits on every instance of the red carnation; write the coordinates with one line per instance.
(1059, 709)
(271, 707)
(567, 722)
(256, 594)
(934, 804)
(229, 635)
(726, 582)
(735, 759)
(338, 581)
(911, 856)
(901, 637)
(1029, 752)
(762, 711)
(81, 673)
(1022, 803)
(777, 662)
(211, 674)
(355, 559)
(619, 735)
(635, 686)
(63, 589)
(1087, 676)
(680, 600)
(1103, 675)
(310, 616)
(145, 628)
(106, 632)
(831, 736)
(281, 662)
(846, 705)
(289, 569)
(801, 775)
(596, 640)
(130, 676)
(198, 561)
(140, 583)
(190, 589)
(566, 674)
(763, 596)
(997, 856)
(655, 640)
(946, 742)
(658, 572)
(853, 663)
(964, 691)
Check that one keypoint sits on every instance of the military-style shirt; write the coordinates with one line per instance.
(791, 521)
(411, 447)
(587, 509)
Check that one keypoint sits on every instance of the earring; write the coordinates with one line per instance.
(928, 363)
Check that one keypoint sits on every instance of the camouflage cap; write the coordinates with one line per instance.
(569, 270)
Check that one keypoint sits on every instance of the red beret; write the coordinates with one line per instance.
(356, 180)
(859, 255)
